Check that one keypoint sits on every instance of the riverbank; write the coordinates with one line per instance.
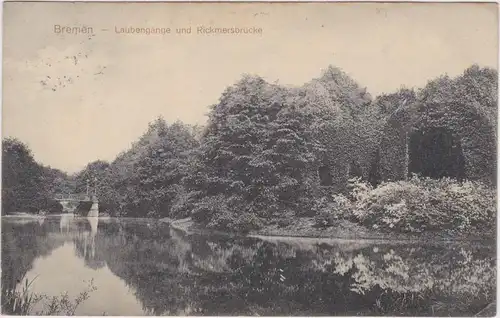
(488, 311)
(304, 227)
(343, 229)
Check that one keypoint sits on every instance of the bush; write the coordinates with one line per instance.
(207, 207)
(424, 204)
(230, 221)
(183, 204)
(331, 210)
(225, 213)
(22, 301)
(284, 222)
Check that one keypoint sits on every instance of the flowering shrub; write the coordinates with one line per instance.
(424, 204)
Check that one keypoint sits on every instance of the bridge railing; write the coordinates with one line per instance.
(74, 197)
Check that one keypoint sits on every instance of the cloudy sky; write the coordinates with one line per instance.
(75, 98)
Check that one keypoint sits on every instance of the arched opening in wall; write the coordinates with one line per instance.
(325, 176)
(355, 170)
(436, 153)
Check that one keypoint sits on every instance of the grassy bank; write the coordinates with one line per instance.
(344, 229)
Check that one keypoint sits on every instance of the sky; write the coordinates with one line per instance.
(75, 98)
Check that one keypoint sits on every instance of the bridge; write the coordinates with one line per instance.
(71, 203)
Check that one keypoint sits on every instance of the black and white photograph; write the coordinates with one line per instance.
(249, 159)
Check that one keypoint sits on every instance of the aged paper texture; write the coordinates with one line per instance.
(295, 159)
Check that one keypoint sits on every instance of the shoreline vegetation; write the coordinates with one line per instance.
(318, 160)
(24, 302)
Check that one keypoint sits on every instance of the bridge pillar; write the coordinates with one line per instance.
(94, 209)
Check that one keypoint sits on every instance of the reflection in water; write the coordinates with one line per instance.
(143, 267)
(65, 222)
(84, 242)
(94, 223)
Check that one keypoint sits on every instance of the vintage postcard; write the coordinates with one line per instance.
(249, 159)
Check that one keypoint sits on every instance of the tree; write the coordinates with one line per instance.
(22, 187)
(92, 175)
(144, 181)
(476, 86)
(159, 172)
(57, 182)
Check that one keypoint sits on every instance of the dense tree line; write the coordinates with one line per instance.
(26, 185)
(263, 145)
(146, 179)
(267, 152)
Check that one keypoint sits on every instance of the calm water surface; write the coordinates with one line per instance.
(143, 267)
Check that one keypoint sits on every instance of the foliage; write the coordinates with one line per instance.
(476, 86)
(63, 304)
(144, 181)
(91, 175)
(252, 157)
(424, 204)
(264, 144)
(23, 301)
(26, 185)
(56, 182)
(18, 302)
(21, 178)
(330, 210)
(385, 105)
(270, 152)
(158, 174)
(241, 223)
(343, 123)
(465, 107)
(54, 206)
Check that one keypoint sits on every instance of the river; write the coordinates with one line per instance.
(144, 267)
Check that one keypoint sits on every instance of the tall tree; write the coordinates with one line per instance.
(22, 187)
(260, 153)
(144, 180)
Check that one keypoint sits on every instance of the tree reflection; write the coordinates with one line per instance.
(85, 243)
(22, 243)
(172, 273)
(217, 275)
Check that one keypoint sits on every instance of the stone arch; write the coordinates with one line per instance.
(464, 126)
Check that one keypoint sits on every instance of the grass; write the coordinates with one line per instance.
(22, 302)
(18, 302)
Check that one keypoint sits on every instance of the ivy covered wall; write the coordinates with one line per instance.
(468, 124)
